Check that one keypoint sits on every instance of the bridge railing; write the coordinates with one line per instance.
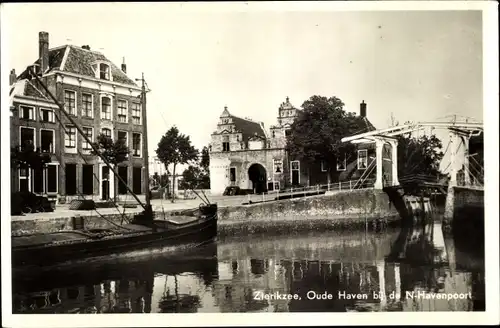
(304, 191)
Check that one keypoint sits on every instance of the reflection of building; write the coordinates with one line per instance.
(244, 154)
(241, 280)
(121, 296)
(100, 97)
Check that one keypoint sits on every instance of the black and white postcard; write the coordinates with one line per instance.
(249, 163)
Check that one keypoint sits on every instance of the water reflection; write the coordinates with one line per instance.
(345, 271)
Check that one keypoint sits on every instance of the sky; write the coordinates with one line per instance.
(413, 65)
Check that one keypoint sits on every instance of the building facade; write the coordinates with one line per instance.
(101, 99)
(243, 154)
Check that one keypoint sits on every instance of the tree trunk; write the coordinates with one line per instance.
(329, 178)
(173, 183)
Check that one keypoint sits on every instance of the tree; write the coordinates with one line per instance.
(175, 148)
(198, 176)
(192, 177)
(115, 152)
(205, 159)
(316, 133)
(27, 157)
(420, 155)
(205, 165)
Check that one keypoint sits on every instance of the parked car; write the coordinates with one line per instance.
(24, 202)
(233, 191)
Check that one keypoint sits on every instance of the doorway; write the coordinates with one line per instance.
(105, 183)
(295, 173)
(257, 175)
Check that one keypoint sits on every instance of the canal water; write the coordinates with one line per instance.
(412, 269)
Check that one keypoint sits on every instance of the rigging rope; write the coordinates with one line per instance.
(95, 176)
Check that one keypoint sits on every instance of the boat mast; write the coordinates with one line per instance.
(87, 139)
(145, 142)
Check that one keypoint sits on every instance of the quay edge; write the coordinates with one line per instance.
(339, 209)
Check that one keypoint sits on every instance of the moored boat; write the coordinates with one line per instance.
(146, 233)
(170, 234)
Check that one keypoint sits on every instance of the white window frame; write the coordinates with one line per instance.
(53, 140)
(28, 170)
(70, 149)
(277, 163)
(118, 110)
(108, 71)
(110, 107)
(51, 111)
(34, 135)
(91, 105)
(292, 169)
(140, 113)
(31, 113)
(87, 150)
(110, 132)
(140, 145)
(74, 113)
(276, 183)
(323, 166)
(126, 134)
(360, 151)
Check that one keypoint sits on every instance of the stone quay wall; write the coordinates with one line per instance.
(464, 208)
(333, 210)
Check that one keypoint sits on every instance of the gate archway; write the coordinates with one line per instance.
(258, 176)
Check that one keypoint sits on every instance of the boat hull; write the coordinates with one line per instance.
(200, 261)
(147, 242)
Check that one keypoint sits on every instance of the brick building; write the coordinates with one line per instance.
(244, 154)
(101, 98)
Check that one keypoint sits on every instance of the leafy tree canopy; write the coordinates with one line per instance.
(420, 155)
(317, 131)
(28, 156)
(115, 152)
(205, 159)
(175, 148)
(192, 177)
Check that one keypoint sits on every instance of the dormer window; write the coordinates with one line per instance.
(104, 71)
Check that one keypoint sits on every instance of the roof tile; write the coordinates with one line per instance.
(248, 128)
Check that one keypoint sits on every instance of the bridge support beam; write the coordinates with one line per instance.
(459, 156)
(379, 144)
(394, 160)
(453, 160)
(465, 141)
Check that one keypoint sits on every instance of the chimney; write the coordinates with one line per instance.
(362, 109)
(12, 77)
(86, 47)
(124, 66)
(43, 50)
